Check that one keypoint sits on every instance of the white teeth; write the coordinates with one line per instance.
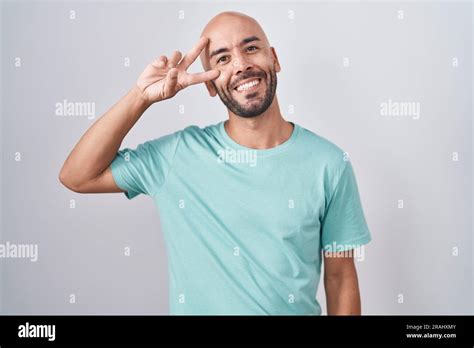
(248, 85)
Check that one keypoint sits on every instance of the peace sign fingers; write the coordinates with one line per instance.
(191, 56)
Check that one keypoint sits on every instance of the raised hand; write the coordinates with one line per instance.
(165, 77)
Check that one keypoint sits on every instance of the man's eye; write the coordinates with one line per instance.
(252, 48)
(221, 59)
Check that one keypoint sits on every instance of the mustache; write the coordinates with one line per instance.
(247, 75)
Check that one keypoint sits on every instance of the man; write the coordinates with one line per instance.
(247, 205)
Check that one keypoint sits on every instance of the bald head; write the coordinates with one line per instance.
(239, 49)
(226, 29)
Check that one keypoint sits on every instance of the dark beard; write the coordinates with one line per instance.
(254, 110)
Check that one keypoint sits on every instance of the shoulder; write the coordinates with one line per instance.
(195, 131)
(198, 136)
(187, 134)
(328, 154)
(165, 144)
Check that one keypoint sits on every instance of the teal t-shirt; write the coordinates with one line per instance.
(245, 229)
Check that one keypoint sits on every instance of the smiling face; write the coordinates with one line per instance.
(238, 47)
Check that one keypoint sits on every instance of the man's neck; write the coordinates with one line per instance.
(261, 132)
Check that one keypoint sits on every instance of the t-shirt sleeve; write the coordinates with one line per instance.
(144, 170)
(344, 226)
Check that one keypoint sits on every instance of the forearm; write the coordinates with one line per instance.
(342, 295)
(97, 148)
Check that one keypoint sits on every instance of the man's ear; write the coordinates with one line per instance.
(211, 88)
(276, 62)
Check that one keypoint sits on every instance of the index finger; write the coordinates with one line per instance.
(191, 56)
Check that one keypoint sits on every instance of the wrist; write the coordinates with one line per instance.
(140, 98)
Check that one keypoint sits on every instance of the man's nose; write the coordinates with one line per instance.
(241, 64)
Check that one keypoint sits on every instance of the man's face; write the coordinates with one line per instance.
(248, 66)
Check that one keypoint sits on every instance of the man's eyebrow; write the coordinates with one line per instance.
(249, 39)
(220, 50)
(243, 42)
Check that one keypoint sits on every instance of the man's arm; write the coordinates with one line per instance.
(87, 168)
(341, 285)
